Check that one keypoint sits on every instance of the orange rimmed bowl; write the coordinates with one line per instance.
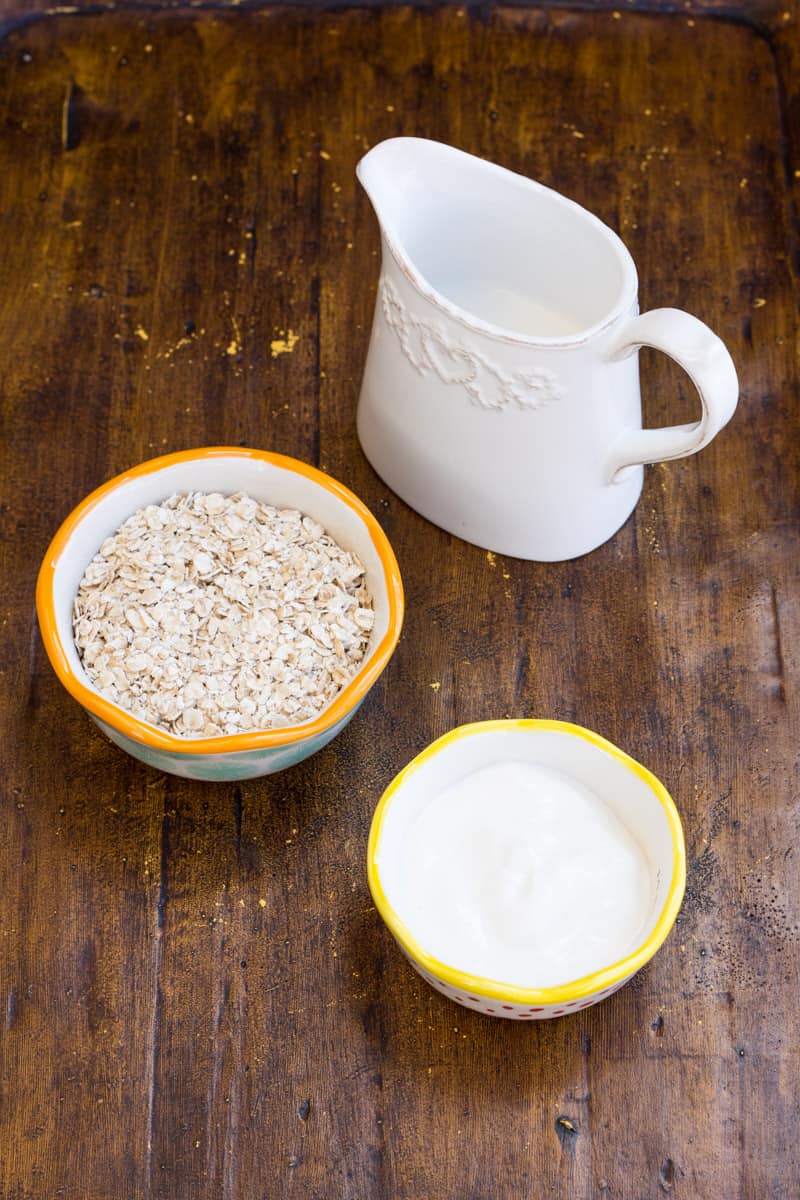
(637, 798)
(276, 480)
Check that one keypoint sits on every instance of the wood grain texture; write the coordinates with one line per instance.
(198, 998)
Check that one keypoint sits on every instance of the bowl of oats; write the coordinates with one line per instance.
(220, 613)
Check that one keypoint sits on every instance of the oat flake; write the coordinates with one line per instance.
(211, 614)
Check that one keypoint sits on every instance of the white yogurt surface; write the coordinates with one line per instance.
(520, 874)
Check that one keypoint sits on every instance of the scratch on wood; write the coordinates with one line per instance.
(219, 1135)
(776, 623)
(69, 129)
(11, 1009)
(155, 1027)
(162, 873)
(237, 813)
(33, 651)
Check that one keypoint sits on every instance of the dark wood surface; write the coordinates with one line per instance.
(198, 998)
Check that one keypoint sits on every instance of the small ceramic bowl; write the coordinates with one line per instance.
(274, 479)
(637, 799)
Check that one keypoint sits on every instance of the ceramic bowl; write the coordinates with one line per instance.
(637, 798)
(277, 480)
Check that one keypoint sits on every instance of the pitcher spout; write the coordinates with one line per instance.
(487, 245)
(401, 177)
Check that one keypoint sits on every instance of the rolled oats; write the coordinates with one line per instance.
(212, 614)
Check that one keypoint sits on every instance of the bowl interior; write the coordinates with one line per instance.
(265, 480)
(635, 796)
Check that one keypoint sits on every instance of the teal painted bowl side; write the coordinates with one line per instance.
(247, 764)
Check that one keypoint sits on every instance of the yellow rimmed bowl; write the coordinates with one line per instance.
(637, 798)
(276, 480)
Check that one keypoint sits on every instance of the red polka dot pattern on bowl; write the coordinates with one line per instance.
(512, 1012)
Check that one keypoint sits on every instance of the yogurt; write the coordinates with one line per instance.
(520, 874)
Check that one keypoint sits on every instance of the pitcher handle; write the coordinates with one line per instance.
(708, 364)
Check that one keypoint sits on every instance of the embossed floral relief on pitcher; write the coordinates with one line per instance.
(431, 350)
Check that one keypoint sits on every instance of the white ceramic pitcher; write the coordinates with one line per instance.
(500, 396)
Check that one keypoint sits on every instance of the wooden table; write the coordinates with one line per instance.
(199, 999)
